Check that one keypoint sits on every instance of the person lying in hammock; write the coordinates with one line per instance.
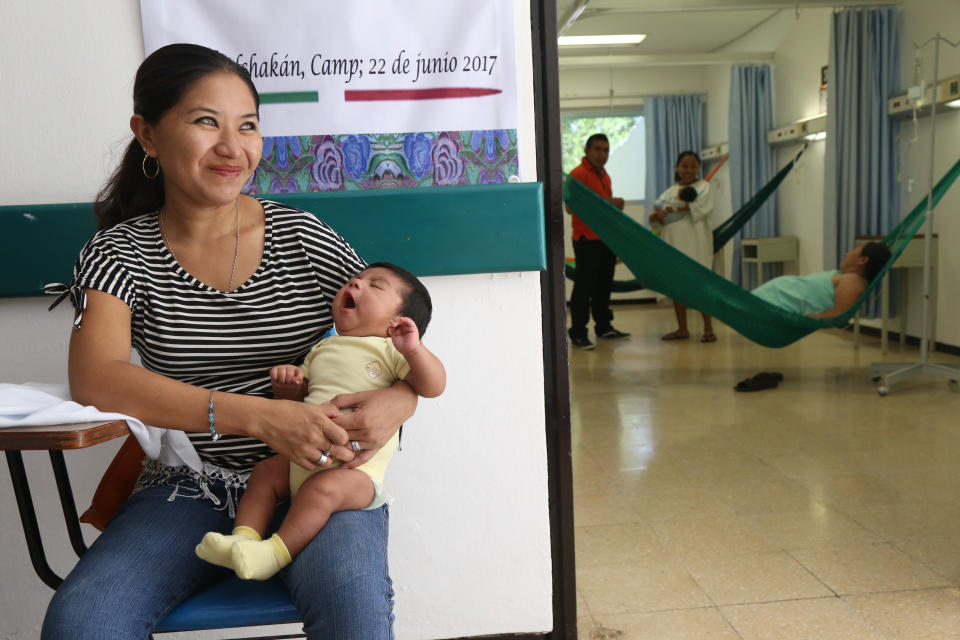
(830, 293)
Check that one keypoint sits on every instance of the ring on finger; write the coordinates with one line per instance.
(355, 446)
(324, 458)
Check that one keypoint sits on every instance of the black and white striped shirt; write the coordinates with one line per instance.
(188, 331)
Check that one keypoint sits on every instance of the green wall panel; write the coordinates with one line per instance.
(430, 231)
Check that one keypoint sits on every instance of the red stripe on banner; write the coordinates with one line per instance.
(370, 95)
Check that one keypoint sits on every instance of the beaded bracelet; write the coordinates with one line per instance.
(213, 425)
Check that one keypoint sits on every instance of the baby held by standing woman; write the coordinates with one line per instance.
(380, 316)
(684, 211)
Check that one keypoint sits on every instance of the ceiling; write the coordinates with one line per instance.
(679, 32)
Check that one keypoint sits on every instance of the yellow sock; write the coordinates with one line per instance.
(254, 560)
(215, 547)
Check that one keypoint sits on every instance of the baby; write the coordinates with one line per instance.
(686, 194)
(380, 316)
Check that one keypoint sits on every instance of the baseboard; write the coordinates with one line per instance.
(913, 341)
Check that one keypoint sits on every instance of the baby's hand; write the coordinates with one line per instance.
(403, 331)
(286, 380)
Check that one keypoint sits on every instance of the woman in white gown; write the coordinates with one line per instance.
(684, 212)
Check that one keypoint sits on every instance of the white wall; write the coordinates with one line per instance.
(470, 543)
(718, 105)
(801, 54)
(717, 127)
(800, 49)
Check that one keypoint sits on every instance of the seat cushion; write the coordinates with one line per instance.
(233, 603)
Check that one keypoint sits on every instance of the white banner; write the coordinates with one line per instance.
(363, 66)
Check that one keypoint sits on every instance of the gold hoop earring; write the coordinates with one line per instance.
(143, 166)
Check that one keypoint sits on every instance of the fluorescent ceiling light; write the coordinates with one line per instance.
(812, 137)
(954, 104)
(580, 41)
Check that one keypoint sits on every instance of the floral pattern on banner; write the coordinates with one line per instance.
(293, 164)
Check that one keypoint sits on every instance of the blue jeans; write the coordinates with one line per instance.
(143, 565)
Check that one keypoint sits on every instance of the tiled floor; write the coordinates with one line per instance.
(814, 511)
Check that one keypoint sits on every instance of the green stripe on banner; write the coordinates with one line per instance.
(284, 97)
(429, 231)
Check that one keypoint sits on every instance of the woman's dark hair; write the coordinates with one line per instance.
(877, 255)
(684, 154)
(416, 303)
(162, 79)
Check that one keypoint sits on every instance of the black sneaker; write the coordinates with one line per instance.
(612, 333)
(582, 343)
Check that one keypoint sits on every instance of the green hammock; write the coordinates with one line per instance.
(723, 233)
(669, 271)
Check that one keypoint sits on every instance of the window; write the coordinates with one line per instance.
(626, 165)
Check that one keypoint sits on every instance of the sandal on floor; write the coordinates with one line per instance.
(760, 382)
(675, 335)
(709, 337)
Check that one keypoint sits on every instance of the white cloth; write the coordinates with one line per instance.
(693, 233)
(37, 404)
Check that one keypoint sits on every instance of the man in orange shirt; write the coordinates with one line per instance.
(595, 261)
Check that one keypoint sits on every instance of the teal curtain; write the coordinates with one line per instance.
(751, 158)
(673, 124)
(861, 193)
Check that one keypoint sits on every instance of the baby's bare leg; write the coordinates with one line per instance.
(268, 484)
(319, 496)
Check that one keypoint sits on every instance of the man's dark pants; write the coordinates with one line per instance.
(591, 287)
